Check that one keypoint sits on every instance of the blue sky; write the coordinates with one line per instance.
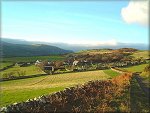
(70, 22)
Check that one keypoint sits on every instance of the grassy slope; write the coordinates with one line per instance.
(21, 90)
(29, 70)
(142, 53)
(10, 50)
(138, 68)
(34, 58)
(5, 64)
(111, 73)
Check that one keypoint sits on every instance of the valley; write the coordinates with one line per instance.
(20, 83)
(75, 56)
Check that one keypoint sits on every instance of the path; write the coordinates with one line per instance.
(114, 69)
(39, 81)
(145, 89)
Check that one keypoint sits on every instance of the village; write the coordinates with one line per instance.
(78, 63)
(86, 62)
(113, 69)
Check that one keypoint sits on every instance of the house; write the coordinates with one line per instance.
(37, 62)
(75, 62)
(49, 68)
(16, 64)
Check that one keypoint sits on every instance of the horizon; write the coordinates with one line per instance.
(86, 23)
(90, 44)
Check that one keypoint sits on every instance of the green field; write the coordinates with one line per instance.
(111, 73)
(29, 70)
(140, 68)
(137, 68)
(142, 53)
(33, 58)
(21, 90)
(5, 64)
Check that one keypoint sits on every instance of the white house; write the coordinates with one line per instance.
(37, 62)
(75, 62)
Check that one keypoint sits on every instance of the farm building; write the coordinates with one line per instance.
(75, 62)
(37, 62)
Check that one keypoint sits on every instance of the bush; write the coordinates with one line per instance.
(8, 75)
(21, 73)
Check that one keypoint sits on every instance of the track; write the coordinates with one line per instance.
(146, 90)
(39, 81)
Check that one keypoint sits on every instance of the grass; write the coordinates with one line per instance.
(142, 53)
(137, 68)
(140, 68)
(21, 90)
(146, 77)
(33, 58)
(12, 97)
(29, 70)
(111, 73)
(138, 101)
(5, 64)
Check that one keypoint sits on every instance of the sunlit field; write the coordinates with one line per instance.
(137, 68)
(21, 90)
(143, 53)
(18, 71)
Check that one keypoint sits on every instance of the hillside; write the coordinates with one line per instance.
(11, 50)
(142, 53)
(107, 50)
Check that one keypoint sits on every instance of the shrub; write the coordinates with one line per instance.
(21, 73)
(8, 75)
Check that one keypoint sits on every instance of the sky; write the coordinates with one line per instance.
(76, 22)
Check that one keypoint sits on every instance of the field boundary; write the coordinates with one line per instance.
(146, 90)
(119, 70)
(79, 98)
(21, 77)
(113, 69)
(7, 67)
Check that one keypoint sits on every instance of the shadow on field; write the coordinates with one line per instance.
(22, 77)
(139, 102)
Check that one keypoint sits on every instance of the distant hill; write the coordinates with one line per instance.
(16, 41)
(79, 47)
(11, 50)
(103, 51)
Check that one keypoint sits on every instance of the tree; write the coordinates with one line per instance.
(58, 64)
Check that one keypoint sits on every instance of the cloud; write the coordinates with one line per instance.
(136, 12)
(111, 42)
